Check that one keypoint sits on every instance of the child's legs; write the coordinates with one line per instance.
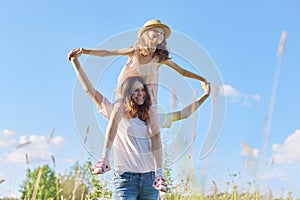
(112, 128)
(153, 127)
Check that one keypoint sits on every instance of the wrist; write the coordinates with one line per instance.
(86, 51)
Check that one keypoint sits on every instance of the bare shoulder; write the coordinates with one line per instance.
(167, 62)
(127, 51)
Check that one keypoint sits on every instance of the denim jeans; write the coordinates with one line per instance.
(134, 186)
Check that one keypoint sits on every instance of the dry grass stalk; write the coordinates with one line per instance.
(272, 160)
(267, 124)
(27, 160)
(79, 168)
(76, 182)
(281, 44)
(270, 194)
(268, 120)
(36, 186)
(53, 160)
(215, 187)
(23, 144)
(56, 179)
(83, 186)
(50, 135)
(86, 134)
(57, 189)
(193, 135)
(84, 178)
(28, 177)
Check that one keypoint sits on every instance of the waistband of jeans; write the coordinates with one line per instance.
(140, 174)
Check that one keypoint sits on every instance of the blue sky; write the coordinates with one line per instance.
(241, 38)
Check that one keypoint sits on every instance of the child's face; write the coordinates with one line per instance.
(138, 93)
(156, 35)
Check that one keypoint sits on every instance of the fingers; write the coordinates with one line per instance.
(75, 53)
(206, 87)
(204, 84)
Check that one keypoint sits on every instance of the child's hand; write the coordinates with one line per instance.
(206, 87)
(75, 53)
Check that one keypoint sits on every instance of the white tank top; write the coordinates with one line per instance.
(132, 147)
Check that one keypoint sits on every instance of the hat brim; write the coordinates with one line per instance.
(163, 26)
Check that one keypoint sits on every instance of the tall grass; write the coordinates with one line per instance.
(181, 190)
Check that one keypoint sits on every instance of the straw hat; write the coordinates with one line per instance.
(155, 23)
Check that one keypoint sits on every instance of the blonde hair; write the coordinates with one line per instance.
(143, 47)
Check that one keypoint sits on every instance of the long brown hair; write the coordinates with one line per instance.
(161, 51)
(131, 109)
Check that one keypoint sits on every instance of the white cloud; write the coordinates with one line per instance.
(237, 96)
(37, 147)
(289, 151)
(285, 174)
(6, 138)
(228, 90)
(57, 141)
(275, 174)
(22, 139)
(256, 97)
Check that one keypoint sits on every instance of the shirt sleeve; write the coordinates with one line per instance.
(106, 108)
(165, 120)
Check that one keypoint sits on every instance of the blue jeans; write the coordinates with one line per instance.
(134, 186)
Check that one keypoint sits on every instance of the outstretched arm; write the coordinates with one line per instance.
(86, 83)
(187, 111)
(100, 52)
(182, 71)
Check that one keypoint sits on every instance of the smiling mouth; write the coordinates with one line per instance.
(139, 99)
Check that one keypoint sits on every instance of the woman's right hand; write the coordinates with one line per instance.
(75, 53)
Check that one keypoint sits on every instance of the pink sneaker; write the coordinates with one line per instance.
(160, 184)
(101, 167)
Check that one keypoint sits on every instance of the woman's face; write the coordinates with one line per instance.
(138, 93)
(156, 35)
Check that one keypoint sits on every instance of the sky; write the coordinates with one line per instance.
(43, 106)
